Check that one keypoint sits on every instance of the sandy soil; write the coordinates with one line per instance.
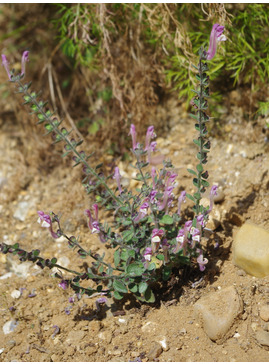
(130, 331)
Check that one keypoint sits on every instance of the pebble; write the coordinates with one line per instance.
(21, 211)
(75, 336)
(15, 294)
(1, 350)
(155, 352)
(264, 312)
(9, 327)
(105, 336)
(251, 250)
(262, 337)
(217, 311)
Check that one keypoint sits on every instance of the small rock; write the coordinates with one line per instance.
(251, 250)
(264, 313)
(75, 336)
(219, 196)
(262, 337)
(15, 294)
(155, 351)
(1, 350)
(9, 326)
(11, 343)
(105, 336)
(218, 311)
(214, 217)
(164, 345)
(21, 211)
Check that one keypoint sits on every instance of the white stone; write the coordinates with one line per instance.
(15, 294)
(251, 250)
(9, 326)
(217, 312)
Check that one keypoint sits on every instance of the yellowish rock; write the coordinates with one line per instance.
(251, 250)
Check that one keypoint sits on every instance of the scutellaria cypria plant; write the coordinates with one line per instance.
(148, 234)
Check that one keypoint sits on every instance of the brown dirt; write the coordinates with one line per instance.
(238, 162)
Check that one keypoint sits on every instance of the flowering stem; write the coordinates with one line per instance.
(146, 184)
(197, 205)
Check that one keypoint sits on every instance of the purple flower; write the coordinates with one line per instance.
(200, 221)
(143, 211)
(100, 301)
(6, 65)
(167, 197)
(24, 59)
(156, 236)
(182, 198)
(63, 284)
(150, 135)
(213, 192)
(133, 134)
(117, 177)
(215, 37)
(201, 260)
(93, 222)
(196, 234)
(147, 254)
(152, 196)
(46, 222)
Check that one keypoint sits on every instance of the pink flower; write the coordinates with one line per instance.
(46, 222)
(93, 222)
(215, 37)
(24, 59)
(201, 260)
(147, 254)
(213, 192)
(6, 65)
(143, 211)
(133, 134)
(150, 135)
(117, 177)
(63, 284)
(156, 236)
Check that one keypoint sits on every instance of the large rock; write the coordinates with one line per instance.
(251, 250)
(218, 311)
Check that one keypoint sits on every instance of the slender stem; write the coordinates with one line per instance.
(197, 207)
(72, 147)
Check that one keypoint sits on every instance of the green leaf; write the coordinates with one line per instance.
(127, 235)
(117, 295)
(135, 269)
(142, 287)
(197, 195)
(190, 197)
(199, 168)
(53, 260)
(166, 220)
(195, 117)
(117, 257)
(160, 256)
(152, 266)
(192, 171)
(197, 142)
(166, 273)
(149, 296)
(133, 287)
(195, 182)
(204, 183)
(119, 286)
